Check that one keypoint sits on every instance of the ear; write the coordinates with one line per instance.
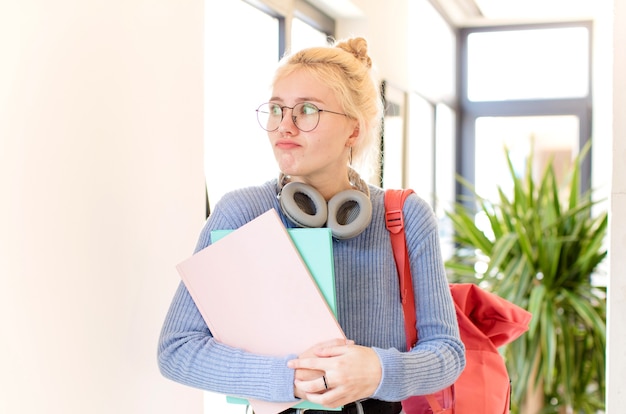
(355, 131)
(354, 136)
(351, 142)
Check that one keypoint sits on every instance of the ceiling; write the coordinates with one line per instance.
(489, 12)
(463, 13)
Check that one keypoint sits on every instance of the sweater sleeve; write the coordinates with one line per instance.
(188, 353)
(439, 356)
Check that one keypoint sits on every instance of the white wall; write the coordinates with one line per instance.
(101, 195)
(385, 26)
(616, 329)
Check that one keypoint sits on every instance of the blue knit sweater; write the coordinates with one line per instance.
(368, 307)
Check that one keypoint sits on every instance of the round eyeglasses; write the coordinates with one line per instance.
(305, 115)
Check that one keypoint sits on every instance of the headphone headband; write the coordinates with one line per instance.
(347, 213)
(353, 176)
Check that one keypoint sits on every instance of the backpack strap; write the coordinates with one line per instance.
(394, 220)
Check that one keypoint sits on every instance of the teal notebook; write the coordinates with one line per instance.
(316, 248)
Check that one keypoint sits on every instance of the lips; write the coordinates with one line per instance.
(286, 144)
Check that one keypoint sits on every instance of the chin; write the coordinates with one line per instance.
(287, 168)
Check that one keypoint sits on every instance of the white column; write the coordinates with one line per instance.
(101, 183)
(616, 328)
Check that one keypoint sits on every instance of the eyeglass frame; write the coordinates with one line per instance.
(294, 117)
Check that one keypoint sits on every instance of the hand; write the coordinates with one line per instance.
(309, 374)
(351, 371)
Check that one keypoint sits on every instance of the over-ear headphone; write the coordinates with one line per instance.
(347, 214)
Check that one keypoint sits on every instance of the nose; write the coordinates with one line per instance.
(288, 123)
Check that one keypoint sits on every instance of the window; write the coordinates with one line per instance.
(433, 53)
(304, 35)
(393, 138)
(237, 80)
(421, 144)
(445, 155)
(550, 137)
(528, 64)
(237, 76)
(525, 87)
(432, 112)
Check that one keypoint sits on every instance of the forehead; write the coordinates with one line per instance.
(300, 86)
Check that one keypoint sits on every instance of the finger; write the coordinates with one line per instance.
(319, 364)
(307, 374)
(331, 351)
(315, 386)
(335, 342)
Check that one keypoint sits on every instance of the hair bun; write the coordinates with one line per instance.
(357, 46)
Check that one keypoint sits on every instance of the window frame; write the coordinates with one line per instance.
(470, 111)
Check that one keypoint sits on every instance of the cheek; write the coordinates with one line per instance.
(324, 146)
(332, 135)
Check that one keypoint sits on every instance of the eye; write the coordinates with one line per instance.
(275, 109)
(308, 108)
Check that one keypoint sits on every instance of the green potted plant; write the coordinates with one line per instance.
(540, 250)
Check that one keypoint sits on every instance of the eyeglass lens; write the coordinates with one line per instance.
(305, 116)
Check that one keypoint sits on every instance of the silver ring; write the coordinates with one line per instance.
(325, 383)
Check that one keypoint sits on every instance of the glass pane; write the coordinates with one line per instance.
(393, 137)
(234, 142)
(304, 35)
(552, 137)
(445, 155)
(445, 168)
(528, 64)
(432, 56)
(420, 168)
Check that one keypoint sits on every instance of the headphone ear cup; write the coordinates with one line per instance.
(349, 214)
(303, 205)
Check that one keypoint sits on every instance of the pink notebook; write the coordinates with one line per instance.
(256, 293)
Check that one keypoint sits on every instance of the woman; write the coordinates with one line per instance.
(322, 119)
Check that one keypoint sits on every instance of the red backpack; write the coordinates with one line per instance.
(486, 322)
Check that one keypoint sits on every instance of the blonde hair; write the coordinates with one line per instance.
(347, 69)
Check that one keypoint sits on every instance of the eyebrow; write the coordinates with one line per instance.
(299, 100)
